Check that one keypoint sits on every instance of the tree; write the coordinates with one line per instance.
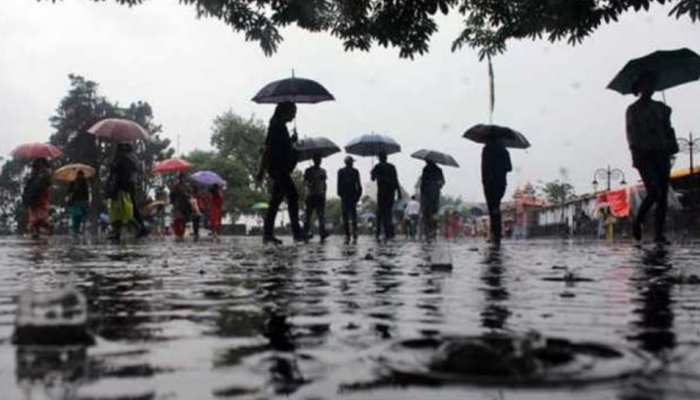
(240, 193)
(409, 24)
(237, 142)
(558, 192)
(11, 179)
(239, 139)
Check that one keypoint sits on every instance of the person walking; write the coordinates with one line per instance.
(279, 158)
(431, 182)
(388, 190)
(121, 191)
(162, 199)
(36, 197)
(200, 209)
(413, 216)
(182, 210)
(315, 180)
(652, 142)
(216, 206)
(78, 201)
(495, 165)
(350, 192)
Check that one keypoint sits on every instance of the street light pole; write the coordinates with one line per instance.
(608, 174)
(691, 146)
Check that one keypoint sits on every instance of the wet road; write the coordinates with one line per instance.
(237, 320)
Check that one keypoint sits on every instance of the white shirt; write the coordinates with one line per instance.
(413, 207)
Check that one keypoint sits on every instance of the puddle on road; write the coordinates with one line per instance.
(239, 320)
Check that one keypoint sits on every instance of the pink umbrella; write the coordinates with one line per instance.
(36, 150)
(171, 165)
(119, 130)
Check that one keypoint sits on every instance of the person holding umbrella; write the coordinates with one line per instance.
(495, 165)
(121, 191)
(431, 182)
(350, 192)
(279, 159)
(384, 173)
(315, 180)
(216, 206)
(652, 142)
(183, 209)
(36, 197)
(78, 201)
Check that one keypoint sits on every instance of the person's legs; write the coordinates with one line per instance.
(651, 185)
(379, 221)
(289, 191)
(321, 213)
(662, 183)
(389, 219)
(353, 219)
(493, 194)
(273, 206)
(196, 220)
(309, 208)
(346, 218)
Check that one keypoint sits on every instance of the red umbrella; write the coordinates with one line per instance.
(119, 130)
(36, 150)
(171, 165)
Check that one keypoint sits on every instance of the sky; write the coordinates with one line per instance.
(191, 70)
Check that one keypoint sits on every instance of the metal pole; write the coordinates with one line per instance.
(609, 172)
(690, 149)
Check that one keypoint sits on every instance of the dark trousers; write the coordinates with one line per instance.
(494, 193)
(413, 225)
(349, 217)
(196, 221)
(282, 189)
(315, 204)
(385, 216)
(655, 172)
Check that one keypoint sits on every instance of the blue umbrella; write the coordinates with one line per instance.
(208, 178)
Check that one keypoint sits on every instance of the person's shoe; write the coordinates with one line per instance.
(347, 240)
(354, 239)
(114, 237)
(637, 230)
(324, 236)
(271, 240)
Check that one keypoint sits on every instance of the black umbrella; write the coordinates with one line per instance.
(372, 145)
(510, 138)
(307, 148)
(670, 67)
(436, 157)
(296, 90)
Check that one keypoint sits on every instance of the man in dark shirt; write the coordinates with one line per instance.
(387, 180)
(495, 165)
(350, 192)
(315, 180)
(431, 182)
(279, 160)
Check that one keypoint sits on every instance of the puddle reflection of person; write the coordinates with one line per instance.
(495, 313)
(654, 325)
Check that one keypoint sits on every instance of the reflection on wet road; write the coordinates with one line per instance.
(243, 321)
